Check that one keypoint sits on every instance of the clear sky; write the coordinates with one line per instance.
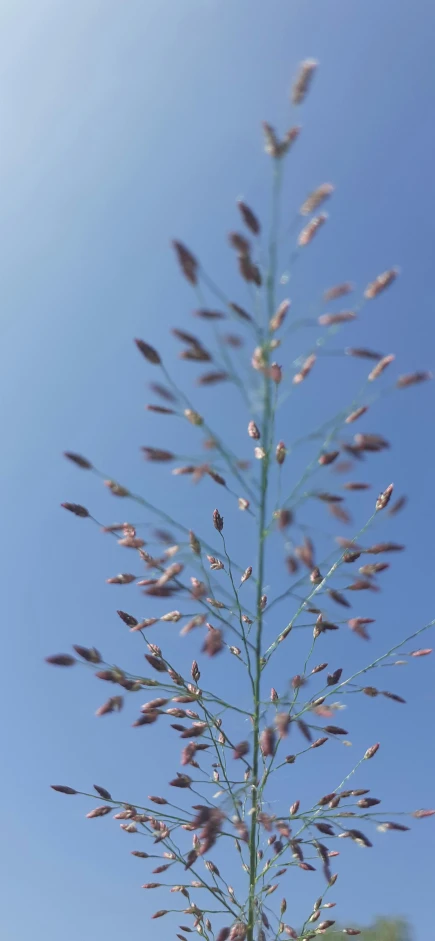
(124, 124)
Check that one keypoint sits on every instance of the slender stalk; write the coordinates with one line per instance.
(266, 433)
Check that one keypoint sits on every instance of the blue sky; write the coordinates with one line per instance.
(124, 125)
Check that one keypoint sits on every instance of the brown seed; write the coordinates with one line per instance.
(61, 660)
(114, 704)
(240, 311)
(267, 742)
(187, 262)
(253, 431)
(303, 81)
(63, 789)
(279, 316)
(232, 339)
(157, 454)
(160, 409)
(209, 314)
(338, 597)
(379, 368)
(356, 485)
(412, 379)
(315, 577)
(76, 508)
(275, 373)
(380, 283)
(372, 751)
(316, 198)
(358, 625)
(339, 290)
(311, 229)
(329, 320)
(280, 452)
(147, 718)
(150, 354)
(328, 457)
(363, 353)
(384, 498)
(156, 663)
(249, 217)
(241, 750)
(78, 460)
(356, 414)
(99, 811)
(196, 354)
(90, 654)
(305, 369)
(218, 521)
(211, 378)
(373, 568)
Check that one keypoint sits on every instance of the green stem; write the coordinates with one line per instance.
(267, 438)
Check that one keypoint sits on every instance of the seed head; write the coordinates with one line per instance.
(316, 198)
(275, 373)
(311, 229)
(381, 365)
(78, 460)
(61, 660)
(372, 751)
(305, 369)
(384, 498)
(249, 217)
(218, 521)
(412, 379)
(150, 354)
(278, 318)
(302, 82)
(330, 320)
(253, 431)
(339, 290)
(380, 283)
(194, 417)
(76, 508)
(187, 262)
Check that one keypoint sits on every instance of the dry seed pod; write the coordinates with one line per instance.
(150, 354)
(303, 81)
(316, 198)
(412, 379)
(380, 283)
(328, 458)
(218, 521)
(339, 290)
(187, 262)
(329, 320)
(362, 353)
(311, 229)
(372, 751)
(280, 452)
(379, 368)
(305, 369)
(253, 430)
(384, 498)
(78, 460)
(278, 317)
(356, 414)
(249, 217)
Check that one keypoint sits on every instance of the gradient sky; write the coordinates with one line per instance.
(124, 124)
